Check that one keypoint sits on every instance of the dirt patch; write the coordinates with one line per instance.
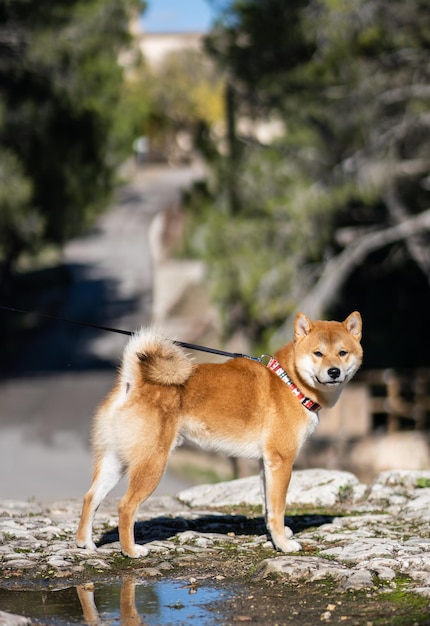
(241, 599)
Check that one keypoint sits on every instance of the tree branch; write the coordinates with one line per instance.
(405, 93)
(416, 244)
(338, 268)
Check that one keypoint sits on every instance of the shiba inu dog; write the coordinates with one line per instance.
(241, 407)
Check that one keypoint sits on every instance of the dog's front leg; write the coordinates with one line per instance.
(276, 474)
(263, 489)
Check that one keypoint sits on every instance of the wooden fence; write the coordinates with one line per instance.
(399, 399)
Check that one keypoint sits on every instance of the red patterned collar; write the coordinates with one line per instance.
(275, 366)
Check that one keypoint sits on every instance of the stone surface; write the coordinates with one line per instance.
(315, 487)
(373, 535)
(9, 619)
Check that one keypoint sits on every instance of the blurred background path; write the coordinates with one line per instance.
(47, 401)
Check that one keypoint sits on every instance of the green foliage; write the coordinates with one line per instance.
(348, 82)
(423, 483)
(63, 110)
(246, 253)
(261, 42)
(20, 225)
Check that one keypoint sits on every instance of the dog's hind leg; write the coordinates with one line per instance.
(276, 475)
(143, 479)
(107, 473)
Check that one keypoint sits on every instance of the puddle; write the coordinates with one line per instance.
(126, 601)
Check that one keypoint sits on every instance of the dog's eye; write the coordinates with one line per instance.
(318, 353)
(343, 353)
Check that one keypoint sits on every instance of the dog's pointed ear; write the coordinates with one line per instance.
(302, 326)
(353, 325)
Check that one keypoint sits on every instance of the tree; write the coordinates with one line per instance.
(20, 224)
(351, 89)
(338, 268)
(61, 113)
(258, 44)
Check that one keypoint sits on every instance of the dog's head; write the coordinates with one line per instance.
(328, 354)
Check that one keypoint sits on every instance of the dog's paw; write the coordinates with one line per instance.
(136, 552)
(87, 545)
(287, 545)
(292, 545)
(288, 532)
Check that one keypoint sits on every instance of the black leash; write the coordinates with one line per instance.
(272, 364)
(183, 344)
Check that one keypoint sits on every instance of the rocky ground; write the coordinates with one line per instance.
(366, 548)
(365, 557)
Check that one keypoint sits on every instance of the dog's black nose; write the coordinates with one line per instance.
(334, 372)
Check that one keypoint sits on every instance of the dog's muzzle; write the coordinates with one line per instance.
(333, 372)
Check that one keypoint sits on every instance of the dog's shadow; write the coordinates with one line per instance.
(163, 527)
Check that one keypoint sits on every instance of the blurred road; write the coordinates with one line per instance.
(47, 403)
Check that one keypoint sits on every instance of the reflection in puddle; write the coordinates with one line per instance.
(128, 602)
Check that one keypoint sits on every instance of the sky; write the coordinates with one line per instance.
(164, 16)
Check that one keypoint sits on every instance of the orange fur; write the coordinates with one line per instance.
(239, 407)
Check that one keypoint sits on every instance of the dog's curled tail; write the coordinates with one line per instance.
(151, 357)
